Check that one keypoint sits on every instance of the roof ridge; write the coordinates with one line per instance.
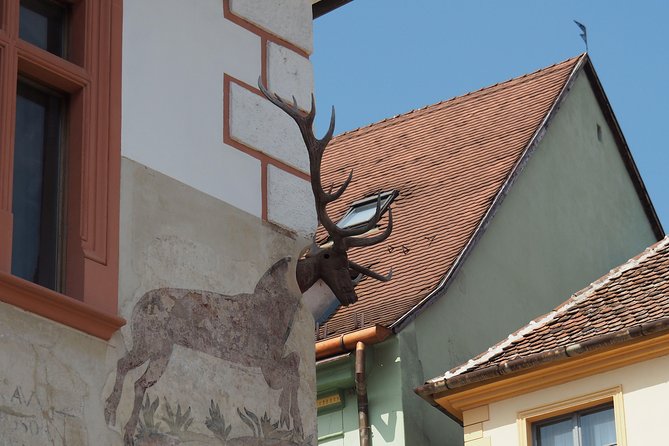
(504, 84)
(574, 300)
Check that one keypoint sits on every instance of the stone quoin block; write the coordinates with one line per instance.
(290, 74)
(288, 19)
(290, 202)
(473, 431)
(257, 123)
(479, 442)
(475, 415)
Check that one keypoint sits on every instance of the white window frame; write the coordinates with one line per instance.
(575, 419)
(526, 418)
(386, 199)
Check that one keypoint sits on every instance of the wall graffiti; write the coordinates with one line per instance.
(247, 329)
(26, 420)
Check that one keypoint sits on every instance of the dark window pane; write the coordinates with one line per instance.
(36, 202)
(43, 23)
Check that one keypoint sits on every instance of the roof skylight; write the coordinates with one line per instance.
(363, 210)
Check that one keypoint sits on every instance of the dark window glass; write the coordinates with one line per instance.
(37, 198)
(591, 427)
(43, 23)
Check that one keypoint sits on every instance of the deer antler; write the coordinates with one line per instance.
(342, 238)
(368, 272)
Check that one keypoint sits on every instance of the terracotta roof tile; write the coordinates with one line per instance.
(632, 294)
(448, 161)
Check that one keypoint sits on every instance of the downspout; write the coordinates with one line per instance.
(361, 390)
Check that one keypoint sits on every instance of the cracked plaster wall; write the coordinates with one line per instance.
(54, 380)
(190, 218)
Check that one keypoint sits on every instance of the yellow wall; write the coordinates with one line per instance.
(645, 397)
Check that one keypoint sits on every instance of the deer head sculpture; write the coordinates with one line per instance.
(330, 263)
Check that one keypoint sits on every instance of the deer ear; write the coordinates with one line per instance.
(275, 275)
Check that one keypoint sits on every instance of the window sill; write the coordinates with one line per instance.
(58, 307)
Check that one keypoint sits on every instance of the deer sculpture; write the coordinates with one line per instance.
(248, 329)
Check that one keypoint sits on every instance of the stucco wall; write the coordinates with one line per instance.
(178, 59)
(55, 380)
(210, 167)
(174, 236)
(645, 400)
(572, 215)
(51, 383)
(204, 215)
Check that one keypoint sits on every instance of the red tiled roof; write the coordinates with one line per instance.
(633, 294)
(448, 161)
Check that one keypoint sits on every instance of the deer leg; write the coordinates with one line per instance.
(128, 362)
(152, 374)
(274, 374)
(283, 374)
(292, 386)
(295, 410)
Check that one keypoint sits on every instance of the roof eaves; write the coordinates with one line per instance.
(576, 299)
(514, 366)
(322, 7)
(534, 141)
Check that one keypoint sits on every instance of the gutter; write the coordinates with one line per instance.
(514, 366)
(347, 342)
(536, 138)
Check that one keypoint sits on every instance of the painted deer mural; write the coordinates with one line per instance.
(248, 329)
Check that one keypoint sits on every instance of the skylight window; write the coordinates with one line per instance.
(362, 211)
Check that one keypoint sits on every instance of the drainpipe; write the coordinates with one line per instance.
(361, 390)
(347, 342)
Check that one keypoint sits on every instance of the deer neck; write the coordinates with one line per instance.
(277, 298)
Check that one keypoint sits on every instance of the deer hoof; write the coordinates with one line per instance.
(285, 420)
(128, 440)
(297, 428)
(110, 415)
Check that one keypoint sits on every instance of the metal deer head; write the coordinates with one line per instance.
(330, 263)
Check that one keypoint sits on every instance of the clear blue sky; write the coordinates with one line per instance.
(377, 58)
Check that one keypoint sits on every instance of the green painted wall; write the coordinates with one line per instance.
(385, 402)
(572, 215)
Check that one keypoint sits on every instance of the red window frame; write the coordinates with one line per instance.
(91, 78)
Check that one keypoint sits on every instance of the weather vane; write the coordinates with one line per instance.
(584, 33)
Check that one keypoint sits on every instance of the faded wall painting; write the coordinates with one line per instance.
(246, 329)
(218, 347)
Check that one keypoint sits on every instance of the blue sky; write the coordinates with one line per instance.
(377, 58)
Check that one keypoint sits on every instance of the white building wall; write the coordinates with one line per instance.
(645, 388)
(201, 213)
(179, 61)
